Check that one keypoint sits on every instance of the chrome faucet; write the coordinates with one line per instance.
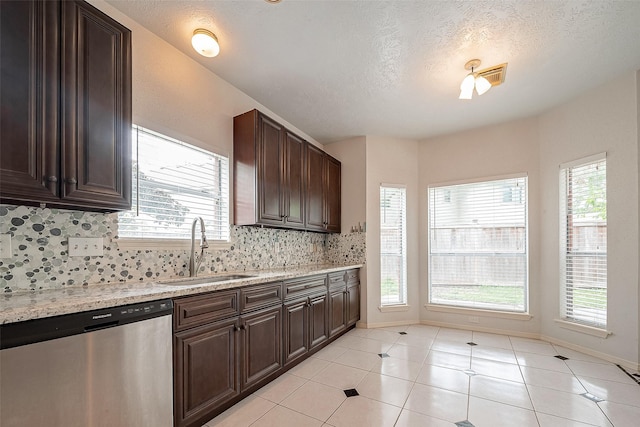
(195, 261)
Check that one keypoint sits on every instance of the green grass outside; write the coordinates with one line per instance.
(595, 298)
(509, 296)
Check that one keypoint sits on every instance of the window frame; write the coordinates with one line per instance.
(179, 243)
(470, 309)
(402, 302)
(565, 320)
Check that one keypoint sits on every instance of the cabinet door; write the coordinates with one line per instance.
(29, 74)
(315, 214)
(205, 370)
(261, 345)
(332, 194)
(294, 189)
(353, 304)
(270, 172)
(318, 325)
(96, 109)
(296, 330)
(337, 311)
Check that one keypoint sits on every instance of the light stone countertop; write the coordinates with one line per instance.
(27, 305)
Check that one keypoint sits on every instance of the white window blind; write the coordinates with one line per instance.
(393, 246)
(173, 183)
(478, 245)
(583, 242)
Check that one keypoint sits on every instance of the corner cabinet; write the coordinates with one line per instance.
(65, 88)
(271, 178)
(323, 191)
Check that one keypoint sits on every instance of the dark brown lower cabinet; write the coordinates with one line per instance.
(337, 310)
(206, 369)
(261, 345)
(224, 349)
(296, 330)
(318, 325)
(353, 303)
(305, 326)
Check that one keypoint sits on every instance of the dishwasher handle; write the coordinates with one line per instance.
(99, 326)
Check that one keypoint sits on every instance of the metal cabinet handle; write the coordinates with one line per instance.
(71, 181)
(52, 178)
(242, 327)
(235, 328)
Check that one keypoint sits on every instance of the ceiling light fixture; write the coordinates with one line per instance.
(473, 80)
(205, 43)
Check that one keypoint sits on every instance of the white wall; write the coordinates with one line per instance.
(602, 120)
(486, 152)
(391, 161)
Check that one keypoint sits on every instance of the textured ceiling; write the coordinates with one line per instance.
(337, 69)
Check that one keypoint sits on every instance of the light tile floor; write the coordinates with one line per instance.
(433, 377)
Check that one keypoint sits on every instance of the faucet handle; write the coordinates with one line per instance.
(203, 242)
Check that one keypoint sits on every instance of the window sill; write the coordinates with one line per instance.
(162, 244)
(394, 308)
(478, 312)
(585, 329)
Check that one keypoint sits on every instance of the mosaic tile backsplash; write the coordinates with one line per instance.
(40, 259)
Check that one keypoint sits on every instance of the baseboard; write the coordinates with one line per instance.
(512, 333)
(604, 356)
(365, 325)
(629, 364)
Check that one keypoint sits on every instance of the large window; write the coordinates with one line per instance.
(478, 244)
(393, 245)
(173, 183)
(583, 241)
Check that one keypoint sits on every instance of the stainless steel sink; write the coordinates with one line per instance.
(205, 280)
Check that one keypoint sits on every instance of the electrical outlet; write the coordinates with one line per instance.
(86, 246)
(5, 246)
(276, 248)
(474, 319)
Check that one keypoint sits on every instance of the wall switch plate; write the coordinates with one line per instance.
(5, 246)
(474, 319)
(86, 246)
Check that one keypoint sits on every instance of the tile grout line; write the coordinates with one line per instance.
(636, 380)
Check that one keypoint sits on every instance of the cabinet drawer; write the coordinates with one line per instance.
(353, 276)
(304, 285)
(260, 296)
(200, 309)
(336, 279)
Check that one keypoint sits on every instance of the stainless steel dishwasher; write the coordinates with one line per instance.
(109, 367)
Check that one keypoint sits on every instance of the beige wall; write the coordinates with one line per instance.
(602, 120)
(510, 148)
(391, 161)
(352, 154)
(175, 95)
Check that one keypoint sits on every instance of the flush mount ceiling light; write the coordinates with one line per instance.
(472, 80)
(205, 43)
(273, 1)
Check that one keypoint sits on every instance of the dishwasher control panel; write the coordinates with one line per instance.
(38, 330)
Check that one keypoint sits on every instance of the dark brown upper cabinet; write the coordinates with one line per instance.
(65, 88)
(271, 173)
(268, 173)
(323, 191)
